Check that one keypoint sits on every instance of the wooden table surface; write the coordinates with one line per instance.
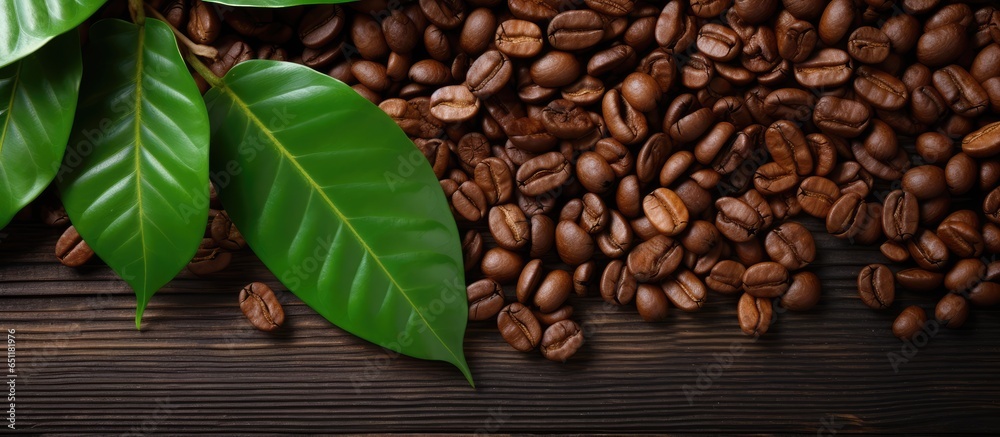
(197, 366)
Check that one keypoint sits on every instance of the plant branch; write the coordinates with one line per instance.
(135, 8)
(204, 71)
(198, 49)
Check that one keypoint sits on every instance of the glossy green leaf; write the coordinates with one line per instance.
(26, 25)
(135, 176)
(37, 103)
(339, 204)
(275, 3)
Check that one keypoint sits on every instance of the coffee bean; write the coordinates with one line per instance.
(204, 25)
(625, 123)
(594, 172)
(965, 275)
(983, 143)
(654, 259)
(501, 265)
(529, 280)
(803, 292)
(879, 88)
(869, 45)
(651, 302)
(454, 103)
(472, 249)
(736, 220)
(909, 322)
(940, 46)
(754, 314)
(986, 294)
(791, 245)
(509, 226)
(876, 286)
(961, 237)
(894, 251)
(519, 38)
(561, 341)
(766, 279)
(796, 38)
(685, 291)
(209, 259)
(573, 244)
(666, 211)
(920, 280)
(618, 285)
(261, 307)
(519, 327)
(548, 319)
(641, 91)
(543, 173)
(928, 250)
(594, 216)
(485, 299)
(575, 30)
(952, 310)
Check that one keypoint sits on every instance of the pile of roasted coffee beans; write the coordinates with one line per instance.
(658, 150)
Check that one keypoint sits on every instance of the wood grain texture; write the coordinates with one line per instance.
(198, 366)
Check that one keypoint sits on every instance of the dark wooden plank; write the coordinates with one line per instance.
(198, 367)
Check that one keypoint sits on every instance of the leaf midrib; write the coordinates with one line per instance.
(140, 56)
(357, 236)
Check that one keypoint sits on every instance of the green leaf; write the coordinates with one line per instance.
(135, 176)
(339, 204)
(276, 3)
(37, 102)
(26, 25)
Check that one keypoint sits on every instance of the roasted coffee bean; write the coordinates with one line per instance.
(555, 69)
(952, 310)
(509, 226)
(618, 285)
(641, 91)
(617, 239)
(528, 281)
(225, 233)
(766, 279)
(625, 123)
(261, 307)
(469, 201)
(869, 45)
(651, 302)
(204, 25)
(561, 341)
(666, 211)
(791, 245)
(472, 249)
(928, 250)
(485, 299)
(553, 290)
(519, 327)
(501, 265)
(700, 237)
(934, 147)
(881, 143)
(453, 104)
(843, 117)
(519, 38)
(879, 88)
(209, 259)
(876, 286)
(489, 74)
(754, 314)
(983, 143)
(583, 275)
(71, 250)
(894, 251)
(566, 120)
(594, 172)
(736, 220)
(918, 279)
(726, 277)
(543, 173)
(573, 244)
(788, 147)
(985, 294)
(595, 215)
(848, 216)
(909, 322)
(654, 259)
(803, 292)
(940, 46)
(962, 92)
(960, 174)
(494, 179)
(796, 38)
(900, 215)
(718, 42)
(816, 195)
(575, 30)
(964, 275)
(685, 291)
(932, 211)
(961, 237)
(543, 234)
(826, 68)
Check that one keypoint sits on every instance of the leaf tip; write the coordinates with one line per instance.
(464, 368)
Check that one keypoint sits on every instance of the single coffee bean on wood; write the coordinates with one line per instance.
(261, 307)
(71, 250)
(519, 327)
(876, 286)
(909, 322)
(562, 340)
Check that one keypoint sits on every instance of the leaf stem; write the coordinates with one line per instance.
(135, 8)
(203, 71)
(198, 49)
